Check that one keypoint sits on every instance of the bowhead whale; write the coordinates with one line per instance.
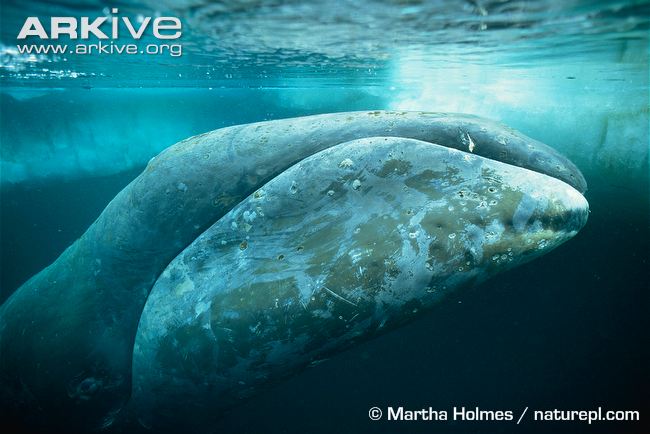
(242, 255)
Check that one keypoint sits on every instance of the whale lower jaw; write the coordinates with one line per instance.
(346, 244)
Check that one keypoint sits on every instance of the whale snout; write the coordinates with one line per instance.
(549, 212)
(572, 211)
(561, 210)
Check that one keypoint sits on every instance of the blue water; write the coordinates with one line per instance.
(570, 330)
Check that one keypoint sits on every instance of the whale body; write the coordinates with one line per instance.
(242, 255)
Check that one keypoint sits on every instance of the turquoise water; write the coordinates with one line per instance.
(569, 330)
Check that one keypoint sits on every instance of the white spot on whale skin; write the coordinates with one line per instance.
(181, 187)
(356, 184)
(357, 254)
(249, 216)
(346, 163)
(494, 231)
(472, 145)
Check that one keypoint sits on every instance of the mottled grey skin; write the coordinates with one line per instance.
(347, 243)
(67, 335)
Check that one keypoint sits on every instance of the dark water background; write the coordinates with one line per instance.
(570, 330)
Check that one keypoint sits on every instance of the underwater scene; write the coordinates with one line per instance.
(291, 216)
